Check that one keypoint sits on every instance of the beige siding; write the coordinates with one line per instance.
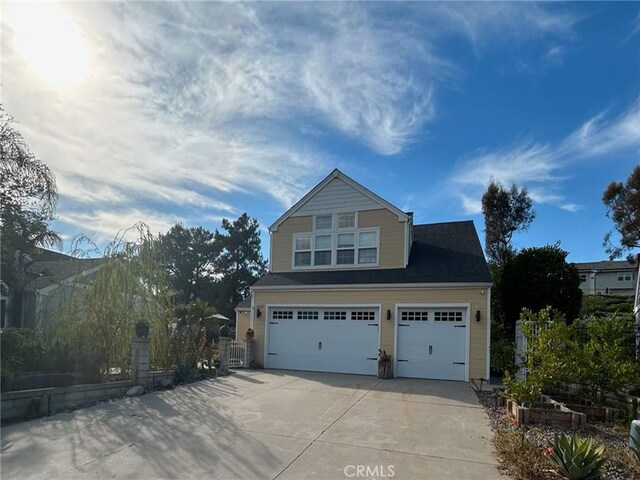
(388, 298)
(282, 242)
(242, 323)
(392, 233)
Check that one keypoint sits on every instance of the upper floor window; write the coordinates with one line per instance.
(624, 276)
(346, 220)
(583, 277)
(324, 222)
(336, 241)
(302, 252)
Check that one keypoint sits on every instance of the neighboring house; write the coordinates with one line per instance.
(351, 274)
(636, 304)
(45, 272)
(608, 277)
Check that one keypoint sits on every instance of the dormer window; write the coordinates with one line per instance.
(346, 220)
(336, 241)
(302, 254)
(324, 222)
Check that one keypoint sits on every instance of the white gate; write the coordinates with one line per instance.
(239, 353)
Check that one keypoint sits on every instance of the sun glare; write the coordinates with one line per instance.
(50, 42)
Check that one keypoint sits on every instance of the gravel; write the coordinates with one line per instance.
(543, 435)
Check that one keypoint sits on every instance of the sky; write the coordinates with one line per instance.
(192, 112)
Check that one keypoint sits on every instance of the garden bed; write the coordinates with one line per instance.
(522, 449)
(545, 413)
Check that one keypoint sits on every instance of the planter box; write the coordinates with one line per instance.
(594, 414)
(549, 414)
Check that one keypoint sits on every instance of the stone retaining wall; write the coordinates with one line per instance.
(25, 404)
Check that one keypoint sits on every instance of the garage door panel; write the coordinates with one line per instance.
(328, 342)
(432, 343)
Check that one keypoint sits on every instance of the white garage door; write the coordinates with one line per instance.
(340, 339)
(432, 343)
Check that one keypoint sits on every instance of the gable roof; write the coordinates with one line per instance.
(441, 253)
(366, 197)
(606, 265)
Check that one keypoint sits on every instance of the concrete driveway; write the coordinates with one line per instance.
(264, 425)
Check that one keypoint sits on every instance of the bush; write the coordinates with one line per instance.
(577, 459)
(604, 355)
(21, 351)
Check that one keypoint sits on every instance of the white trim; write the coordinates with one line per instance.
(466, 306)
(488, 373)
(269, 306)
(349, 181)
(252, 310)
(371, 286)
(66, 281)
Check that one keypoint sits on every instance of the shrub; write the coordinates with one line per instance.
(577, 459)
(21, 351)
(524, 392)
(547, 356)
(604, 355)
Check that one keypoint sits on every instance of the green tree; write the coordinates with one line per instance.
(189, 256)
(539, 277)
(239, 261)
(506, 211)
(623, 207)
(28, 198)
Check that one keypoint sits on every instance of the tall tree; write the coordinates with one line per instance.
(189, 255)
(28, 201)
(623, 207)
(539, 277)
(506, 211)
(239, 262)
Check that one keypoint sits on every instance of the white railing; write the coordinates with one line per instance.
(239, 353)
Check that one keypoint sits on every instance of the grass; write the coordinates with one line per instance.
(519, 458)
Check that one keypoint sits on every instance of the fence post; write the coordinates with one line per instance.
(224, 353)
(140, 362)
(248, 352)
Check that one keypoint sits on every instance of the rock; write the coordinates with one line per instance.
(135, 391)
(166, 383)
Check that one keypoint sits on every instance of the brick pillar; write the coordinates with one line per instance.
(140, 362)
(224, 352)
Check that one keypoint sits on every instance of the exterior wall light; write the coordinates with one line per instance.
(388, 314)
(477, 315)
(258, 313)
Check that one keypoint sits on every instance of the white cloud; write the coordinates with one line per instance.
(187, 105)
(542, 167)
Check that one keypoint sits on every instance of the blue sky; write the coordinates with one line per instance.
(192, 112)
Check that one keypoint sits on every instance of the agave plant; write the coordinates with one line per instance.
(577, 459)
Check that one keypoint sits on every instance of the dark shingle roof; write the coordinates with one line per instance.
(246, 303)
(441, 253)
(606, 265)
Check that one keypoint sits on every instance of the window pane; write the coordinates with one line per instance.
(302, 259)
(345, 257)
(303, 243)
(323, 257)
(346, 220)
(323, 242)
(367, 255)
(368, 239)
(345, 240)
(323, 222)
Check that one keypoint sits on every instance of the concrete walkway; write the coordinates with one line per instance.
(264, 425)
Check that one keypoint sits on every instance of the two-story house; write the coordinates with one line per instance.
(350, 274)
(608, 277)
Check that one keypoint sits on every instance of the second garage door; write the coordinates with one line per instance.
(432, 343)
(328, 339)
